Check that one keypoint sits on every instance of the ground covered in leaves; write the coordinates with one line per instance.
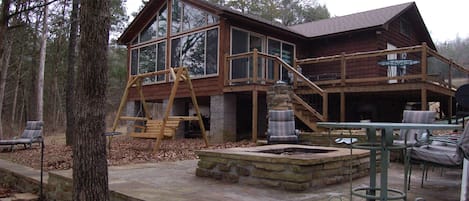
(124, 150)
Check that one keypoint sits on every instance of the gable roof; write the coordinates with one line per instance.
(333, 26)
(356, 21)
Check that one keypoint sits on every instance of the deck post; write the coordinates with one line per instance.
(255, 55)
(226, 70)
(342, 106)
(424, 62)
(423, 97)
(450, 78)
(325, 106)
(450, 109)
(343, 64)
(254, 114)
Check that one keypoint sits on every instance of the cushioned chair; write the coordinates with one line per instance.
(31, 134)
(442, 155)
(413, 136)
(282, 127)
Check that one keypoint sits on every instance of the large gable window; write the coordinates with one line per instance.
(156, 28)
(186, 17)
(196, 51)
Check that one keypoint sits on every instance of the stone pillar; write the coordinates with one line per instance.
(222, 118)
(278, 96)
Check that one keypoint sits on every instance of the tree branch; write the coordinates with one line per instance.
(30, 8)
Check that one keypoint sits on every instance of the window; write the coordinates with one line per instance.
(147, 62)
(156, 28)
(186, 17)
(148, 59)
(243, 41)
(283, 50)
(197, 51)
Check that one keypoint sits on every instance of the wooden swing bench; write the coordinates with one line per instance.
(152, 128)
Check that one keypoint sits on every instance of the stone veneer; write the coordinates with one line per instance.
(290, 172)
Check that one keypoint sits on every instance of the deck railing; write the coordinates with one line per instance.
(240, 70)
(413, 64)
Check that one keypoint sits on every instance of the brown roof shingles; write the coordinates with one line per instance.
(356, 21)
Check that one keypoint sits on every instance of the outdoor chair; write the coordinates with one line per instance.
(412, 137)
(444, 155)
(31, 134)
(282, 127)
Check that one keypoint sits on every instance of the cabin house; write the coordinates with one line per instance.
(368, 65)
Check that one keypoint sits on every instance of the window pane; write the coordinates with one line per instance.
(134, 62)
(212, 51)
(193, 18)
(160, 65)
(193, 53)
(255, 42)
(176, 17)
(239, 44)
(175, 52)
(147, 61)
(273, 48)
(287, 56)
(149, 32)
(162, 21)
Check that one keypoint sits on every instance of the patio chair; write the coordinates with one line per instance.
(441, 155)
(412, 137)
(282, 127)
(31, 134)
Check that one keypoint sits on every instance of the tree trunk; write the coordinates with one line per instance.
(3, 36)
(5, 60)
(17, 88)
(70, 84)
(90, 176)
(42, 64)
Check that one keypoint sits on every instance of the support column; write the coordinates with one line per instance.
(423, 97)
(342, 106)
(222, 118)
(254, 115)
(450, 109)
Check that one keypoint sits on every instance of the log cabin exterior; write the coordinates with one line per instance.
(332, 64)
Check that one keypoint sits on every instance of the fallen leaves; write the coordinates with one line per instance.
(124, 150)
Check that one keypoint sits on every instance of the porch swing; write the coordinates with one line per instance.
(161, 128)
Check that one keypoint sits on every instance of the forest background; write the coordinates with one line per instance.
(36, 39)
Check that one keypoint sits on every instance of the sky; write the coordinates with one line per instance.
(445, 20)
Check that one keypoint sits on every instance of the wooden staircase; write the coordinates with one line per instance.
(306, 113)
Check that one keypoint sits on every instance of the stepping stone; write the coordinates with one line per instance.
(24, 197)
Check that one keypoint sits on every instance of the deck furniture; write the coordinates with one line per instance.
(282, 127)
(384, 146)
(31, 134)
(413, 136)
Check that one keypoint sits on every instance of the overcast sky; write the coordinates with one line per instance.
(445, 20)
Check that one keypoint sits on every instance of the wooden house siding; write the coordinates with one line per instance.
(350, 43)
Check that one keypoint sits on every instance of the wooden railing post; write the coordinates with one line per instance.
(255, 55)
(276, 70)
(343, 64)
(295, 78)
(424, 61)
(450, 75)
(226, 70)
(325, 106)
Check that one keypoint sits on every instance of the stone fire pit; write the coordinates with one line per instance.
(289, 167)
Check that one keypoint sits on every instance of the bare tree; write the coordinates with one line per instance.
(90, 175)
(42, 65)
(70, 84)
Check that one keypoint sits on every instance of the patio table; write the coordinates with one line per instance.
(384, 146)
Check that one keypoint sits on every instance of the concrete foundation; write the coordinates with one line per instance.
(222, 118)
